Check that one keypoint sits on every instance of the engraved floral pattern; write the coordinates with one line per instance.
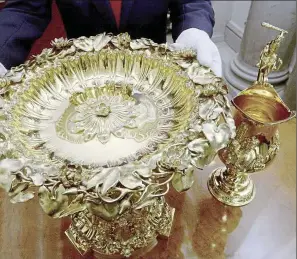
(101, 116)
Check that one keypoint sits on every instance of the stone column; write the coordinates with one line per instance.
(242, 70)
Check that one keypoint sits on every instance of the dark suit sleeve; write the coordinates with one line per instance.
(21, 23)
(186, 14)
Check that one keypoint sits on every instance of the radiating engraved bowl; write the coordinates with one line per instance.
(60, 113)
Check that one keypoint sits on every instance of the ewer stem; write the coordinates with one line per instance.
(231, 187)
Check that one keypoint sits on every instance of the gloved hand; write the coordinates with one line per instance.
(207, 52)
(2, 70)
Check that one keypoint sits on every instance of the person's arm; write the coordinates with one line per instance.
(21, 23)
(186, 14)
(192, 27)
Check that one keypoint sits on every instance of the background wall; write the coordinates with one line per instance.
(231, 17)
(240, 10)
(236, 25)
(223, 13)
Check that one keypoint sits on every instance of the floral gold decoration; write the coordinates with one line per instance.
(103, 126)
(259, 111)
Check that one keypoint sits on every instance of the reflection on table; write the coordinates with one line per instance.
(203, 227)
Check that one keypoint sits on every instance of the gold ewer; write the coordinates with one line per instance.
(259, 111)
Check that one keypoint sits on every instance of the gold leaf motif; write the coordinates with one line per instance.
(22, 197)
(121, 41)
(205, 160)
(209, 109)
(183, 181)
(106, 211)
(75, 206)
(11, 165)
(142, 44)
(202, 152)
(216, 87)
(176, 157)
(71, 191)
(38, 179)
(200, 75)
(130, 180)
(145, 172)
(198, 146)
(65, 52)
(53, 205)
(5, 179)
(184, 58)
(101, 41)
(61, 43)
(146, 196)
(4, 85)
(2, 102)
(124, 206)
(8, 166)
(71, 175)
(17, 187)
(111, 180)
(129, 176)
(97, 179)
(83, 43)
(14, 75)
(146, 203)
(39, 172)
(218, 136)
(109, 177)
(121, 192)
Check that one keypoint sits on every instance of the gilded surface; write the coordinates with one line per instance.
(100, 112)
(269, 61)
(203, 228)
(102, 126)
(259, 111)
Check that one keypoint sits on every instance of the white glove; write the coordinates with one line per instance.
(207, 52)
(3, 70)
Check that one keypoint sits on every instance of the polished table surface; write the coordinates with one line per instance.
(203, 227)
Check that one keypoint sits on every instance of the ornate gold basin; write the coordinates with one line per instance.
(102, 126)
